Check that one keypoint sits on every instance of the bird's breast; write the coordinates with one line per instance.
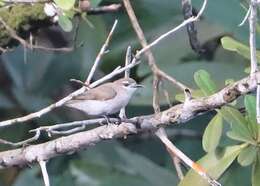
(106, 107)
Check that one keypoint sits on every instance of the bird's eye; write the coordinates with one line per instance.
(126, 83)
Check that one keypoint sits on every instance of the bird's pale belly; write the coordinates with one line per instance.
(98, 108)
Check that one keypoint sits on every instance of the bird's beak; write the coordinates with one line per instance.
(138, 86)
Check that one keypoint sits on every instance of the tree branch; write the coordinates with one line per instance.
(104, 9)
(252, 36)
(176, 114)
(44, 172)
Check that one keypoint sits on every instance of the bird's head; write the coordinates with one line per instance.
(128, 84)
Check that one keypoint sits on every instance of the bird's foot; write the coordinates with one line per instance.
(119, 121)
(116, 121)
(108, 121)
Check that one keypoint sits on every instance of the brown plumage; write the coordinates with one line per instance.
(105, 99)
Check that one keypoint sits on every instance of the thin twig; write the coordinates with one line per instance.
(104, 9)
(156, 101)
(45, 175)
(101, 53)
(148, 53)
(258, 103)
(252, 43)
(65, 126)
(246, 17)
(174, 150)
(139, 32)
(3, 50)
(151, 60)
(169, 78)
(79, 82)
(152, 64)
(66, 132)
(183, 24)
(141, 37)
(252, 37)
(128, 59)
(21, 143)
(177, 165)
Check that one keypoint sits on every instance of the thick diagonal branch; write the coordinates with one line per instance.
(176, 114)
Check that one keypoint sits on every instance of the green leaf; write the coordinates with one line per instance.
(215, 163)
(233, 135)
(250, 104)
(65, 4)
(65, 23)
(247, 70)
(212, 134)
(247, 155)
(69, 14)
(256, 171)
(2, 3)
(239, 125)
(231, 44)
(204, 82)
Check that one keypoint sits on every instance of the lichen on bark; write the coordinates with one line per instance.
(20, 18)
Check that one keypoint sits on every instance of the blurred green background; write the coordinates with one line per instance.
(31, 80)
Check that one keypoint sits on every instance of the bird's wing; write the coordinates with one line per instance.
(103, 92)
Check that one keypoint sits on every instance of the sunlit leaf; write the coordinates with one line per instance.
(65, 4)
(204, 82)
(235, 136)
(69, 13)
(231, 44)
(2, 3)
(247, 155)
(212, 134)
(247, 70)
(250, 104)
(215, 163)
(65, 23)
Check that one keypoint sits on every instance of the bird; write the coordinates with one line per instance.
(106, 99)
